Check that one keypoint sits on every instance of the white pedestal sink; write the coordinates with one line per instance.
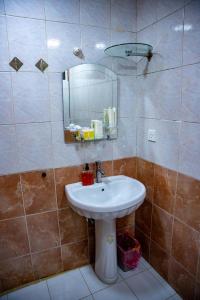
(114, 197)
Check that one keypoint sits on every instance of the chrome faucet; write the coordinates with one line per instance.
(99, 172)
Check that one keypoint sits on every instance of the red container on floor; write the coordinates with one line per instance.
(128, 251)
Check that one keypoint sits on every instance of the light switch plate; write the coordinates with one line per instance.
(152, 135)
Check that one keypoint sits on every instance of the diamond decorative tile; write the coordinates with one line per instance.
(41, 65)
(16, 63)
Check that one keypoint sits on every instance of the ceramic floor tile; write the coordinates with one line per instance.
(32, 292)
(145, 264)
(87, 298)
(175, 297)
(68, 286)
(169, 289)
(119, 291)
(92, 280)
(146, 287)
(133, 272)
(144, 283)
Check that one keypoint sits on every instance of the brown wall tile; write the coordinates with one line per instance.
(16, 272)
(185, 246)
(108, 167)
(91, 241)
(11, 203)
(73, 227)
(43, 231)
(75, 255)
(91, 250)
(13, 238)
(197, 291)
(125, 166)
(1, 287)
(198, 268)
(188, 201)
(126, 221)
(181, 280)
(143, 217)
(47, 263)
(38, 191)
(165, 188)
(65, 176)
(162, 228)
(159, 259)
(129, 229)
(144, 242)
(145, 174)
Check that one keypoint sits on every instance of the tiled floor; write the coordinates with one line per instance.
(143, 283)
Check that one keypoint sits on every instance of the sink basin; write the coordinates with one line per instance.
(114, 197)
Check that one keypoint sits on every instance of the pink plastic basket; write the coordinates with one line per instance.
(128, 251)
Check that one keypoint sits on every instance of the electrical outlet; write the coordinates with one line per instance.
(152, 135)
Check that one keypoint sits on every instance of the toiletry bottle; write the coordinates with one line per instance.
(87, 176)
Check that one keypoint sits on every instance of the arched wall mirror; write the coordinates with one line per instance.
(90, 103)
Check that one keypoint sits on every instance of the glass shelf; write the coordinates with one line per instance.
(130, 49)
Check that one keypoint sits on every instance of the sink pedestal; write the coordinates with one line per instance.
(106, 250)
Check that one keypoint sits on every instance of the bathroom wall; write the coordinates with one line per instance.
(168, 224)
(38, 231)
(39, 234)
(31, 126)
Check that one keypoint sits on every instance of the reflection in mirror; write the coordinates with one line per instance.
(90, 103)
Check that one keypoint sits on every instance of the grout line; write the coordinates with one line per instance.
(26, 223)
(176, 218)
(48, 289)
(33, 214)
(198, 265)
(163, 282)
(184, 268)
(131, 290)
(182, 35)
(152, 209)
(40, 251)
(55, 191)
(173, 209)
(85, 281)
(167, 69)
(162, 18)
(171, 256)
(65, 22)
(165, 120)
